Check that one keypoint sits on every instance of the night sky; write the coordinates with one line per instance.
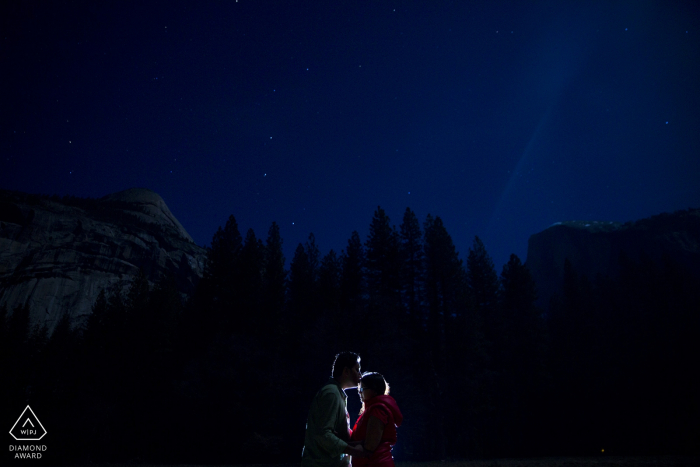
(502, 118)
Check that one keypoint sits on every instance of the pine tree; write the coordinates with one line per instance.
(222, 257)
(412, 277)
(140, 322)
(383, 263)
(483, 284)
(329, 283)
(59, 376)
(3, 336)
(274, 277)
(312, 253)
(246, 310)
(218, 292)
(521, 357)
(301, 287)
(443, 274)
(443, 271)
(167, 309)
(352, 281)
(570, 348)
(482, 322)
(19, 354)
(137, 296)
(523, 327)
(96, 320)
(303, 282)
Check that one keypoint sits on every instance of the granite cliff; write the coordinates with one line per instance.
(595, 247)
(57, 254)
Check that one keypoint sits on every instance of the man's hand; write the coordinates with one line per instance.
(356, 450)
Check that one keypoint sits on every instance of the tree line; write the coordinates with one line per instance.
(476, 367)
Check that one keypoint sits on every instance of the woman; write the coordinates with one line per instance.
(376, 427)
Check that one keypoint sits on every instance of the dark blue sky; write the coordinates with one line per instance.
(500, 117)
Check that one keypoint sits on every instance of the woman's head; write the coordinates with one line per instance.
(371, 385)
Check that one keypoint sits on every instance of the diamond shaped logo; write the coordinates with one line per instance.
(28, 427)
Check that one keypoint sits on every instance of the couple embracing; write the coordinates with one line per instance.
(329, 441)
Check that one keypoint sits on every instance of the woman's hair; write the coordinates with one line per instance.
(375, 382)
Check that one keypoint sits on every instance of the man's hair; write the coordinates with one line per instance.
(343, 360)
(376, 383)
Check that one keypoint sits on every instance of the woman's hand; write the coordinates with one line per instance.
(355, 451)
(375, 429)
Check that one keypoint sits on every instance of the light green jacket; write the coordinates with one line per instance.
(327, 428)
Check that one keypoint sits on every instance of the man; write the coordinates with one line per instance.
(328, 424)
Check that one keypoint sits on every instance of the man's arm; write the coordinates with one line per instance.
(326, 414)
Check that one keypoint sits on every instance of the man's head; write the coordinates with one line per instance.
(346, 369)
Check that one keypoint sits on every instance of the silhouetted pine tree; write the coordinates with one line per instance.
(382, 333)
(97, 320)
(274, 277)
(412, 277)
(18, 343)
(352, 280)
(5, 389)
(140, 322)
(483, 325)
(303, 278)
(443, 276)
(16, 360)
(572, 341)
(482, 280)
(333, 328)
(4, 345)
(219, 290)
(246, 309)
(521, 360)
(383, 262)
(58, 377)
(329, 286)
(116, 335)
(301, 288)
(166, 312)
(224, 251)
(313, 254)
(18, 330)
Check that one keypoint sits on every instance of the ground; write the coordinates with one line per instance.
(602, 461)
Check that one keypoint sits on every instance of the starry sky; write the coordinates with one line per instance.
(500, 117)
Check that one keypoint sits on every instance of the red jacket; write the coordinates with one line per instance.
(387, 411)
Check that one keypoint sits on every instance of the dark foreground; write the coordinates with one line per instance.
(601, 461)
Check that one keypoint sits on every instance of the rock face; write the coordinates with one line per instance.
(595, 247)
(58, 254)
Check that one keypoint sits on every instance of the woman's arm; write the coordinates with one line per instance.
(375, 429)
